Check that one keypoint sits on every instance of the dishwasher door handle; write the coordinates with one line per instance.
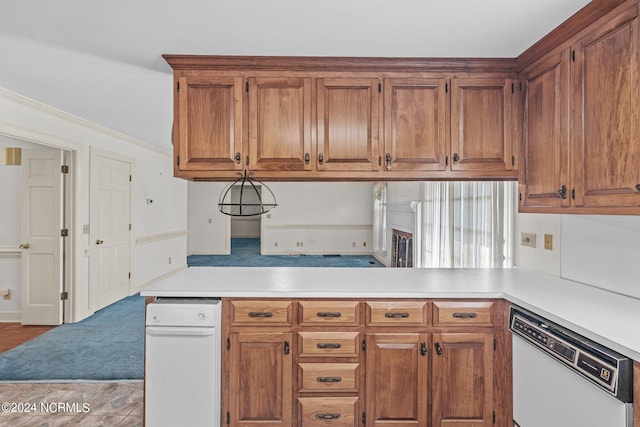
(177, 331)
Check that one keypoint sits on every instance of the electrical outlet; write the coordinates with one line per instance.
(364, 244)
(6, 293)
(353, 244)
(548, 241)
(85, 229)
(528, 239)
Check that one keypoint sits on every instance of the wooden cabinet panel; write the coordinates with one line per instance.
(326, 313)
(262, 312)
(546, 133)
(347, 124)
(462, 313)
(261, 379)
(482, 124)
(396, 377)
(416, 124)
(280, 124)
(209, 123)
(328, 411)
(396, 313)
(329, 344)
(329, 377)
(606, 124)
(462, 379)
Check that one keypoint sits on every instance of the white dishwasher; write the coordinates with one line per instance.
(562, 379)
(182, 363)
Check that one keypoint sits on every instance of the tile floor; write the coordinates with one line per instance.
(104, 404)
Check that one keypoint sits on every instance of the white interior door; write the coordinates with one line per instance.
(42, 222)
(110, 234)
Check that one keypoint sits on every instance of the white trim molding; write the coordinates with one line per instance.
(150, 238)
(319, 227)
(13, 316)
(10, 252)
(31, 103)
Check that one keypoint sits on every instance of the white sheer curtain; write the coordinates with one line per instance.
(468, 224)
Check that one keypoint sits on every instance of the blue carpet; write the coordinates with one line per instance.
(106, 346)
(246, 253)
(110, 344)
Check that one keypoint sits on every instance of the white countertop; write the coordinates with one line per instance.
(606, 317)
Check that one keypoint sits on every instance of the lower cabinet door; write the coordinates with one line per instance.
(396, 375)
(328, 411)
(260, 383)
(462, 380)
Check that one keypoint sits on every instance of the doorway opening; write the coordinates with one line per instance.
(246, 231)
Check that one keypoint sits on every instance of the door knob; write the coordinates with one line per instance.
(99, 242)
(24, 246)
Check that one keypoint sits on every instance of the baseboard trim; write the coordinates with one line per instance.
(10, 252)
(10, 316)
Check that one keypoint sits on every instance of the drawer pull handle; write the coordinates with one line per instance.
(329, 379)
(329, 345)
(325, 416)
(328, 314)
(439, 349)
(396, 315)
(465, 315)
(260, 314)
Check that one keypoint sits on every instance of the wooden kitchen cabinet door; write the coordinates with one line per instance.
(416, 124)
(462, 390)
(209, 124)
(544, 174)
(396, 379)
(280, 124)
(606, 120)
(260, 380)
(483, 124)
(347, 124)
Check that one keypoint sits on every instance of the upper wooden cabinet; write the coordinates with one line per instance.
(483, 124)
(545, 168)
(581, 145)
(279, 124)
(416, 124)
(343, 118)
(347, 124)
(606, 121)
(208, 124)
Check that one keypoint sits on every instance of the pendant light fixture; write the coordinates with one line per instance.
(246, 197)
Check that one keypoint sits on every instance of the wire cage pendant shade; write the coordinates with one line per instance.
(246, 197)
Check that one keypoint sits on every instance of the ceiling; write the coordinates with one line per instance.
(101, 60)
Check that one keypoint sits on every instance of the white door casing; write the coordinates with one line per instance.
(42, 244)
(110, 233)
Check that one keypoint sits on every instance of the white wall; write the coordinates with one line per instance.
(311, 218)
(598, 250)
(159, 230)
(208, 228)
(319, 218)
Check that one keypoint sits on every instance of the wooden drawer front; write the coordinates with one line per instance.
(328, 411)
(406, 313)
(270, 313)
(328, 344)
(329, 377)
(316, 313)
(458, 313)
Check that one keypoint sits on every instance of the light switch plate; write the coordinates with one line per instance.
(528, 239)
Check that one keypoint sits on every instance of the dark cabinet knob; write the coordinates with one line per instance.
(320, 158)
(388, 160)
(306, 158)
(423, 348)
(562, 192)
(438, 348)
(238, 157)
(456, 158)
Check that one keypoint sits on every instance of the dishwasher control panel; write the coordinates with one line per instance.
(183, 312)
(606, 368)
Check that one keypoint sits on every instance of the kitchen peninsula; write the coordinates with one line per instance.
(375, 320)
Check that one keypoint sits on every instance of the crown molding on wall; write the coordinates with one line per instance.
(31, 103)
